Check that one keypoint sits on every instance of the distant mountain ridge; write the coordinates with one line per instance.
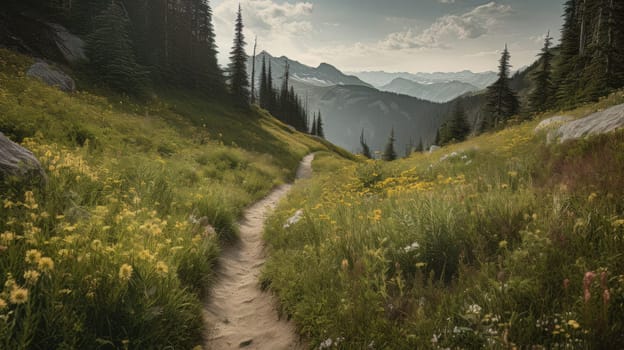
(381, 78)
(435, 92)
(323, 75)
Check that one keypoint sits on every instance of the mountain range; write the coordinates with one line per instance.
(349, 104)
(435, 92)
(380, 78)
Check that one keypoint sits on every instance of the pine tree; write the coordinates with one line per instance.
(320, 132)
(253, 72)
(271, 99)
(502, 102)
(313, 130)
(566, 76)
(264, 87)
(206, 72)
(541, 97)
(389, 152)
(366, 152)
(110, 51)
(239, 81)
(459, 128)
(420, 148)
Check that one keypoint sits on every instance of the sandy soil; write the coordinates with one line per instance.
(240, 313)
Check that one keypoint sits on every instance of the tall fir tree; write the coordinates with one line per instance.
(253, 72)
(501, 101)
(239, 80)
(264, 87)
(110, 51)
(542, 96)
(313, 127)
(459, 126)
(566, 77)
(389, 152)
(366, 152)
(320, 131)
(271, 100)
(206, 73)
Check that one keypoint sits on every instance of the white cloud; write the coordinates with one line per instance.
(470, 25)
(446, 1)
(276, 24)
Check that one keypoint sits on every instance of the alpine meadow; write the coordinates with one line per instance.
(274, 174)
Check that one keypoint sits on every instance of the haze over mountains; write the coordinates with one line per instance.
(349, 104)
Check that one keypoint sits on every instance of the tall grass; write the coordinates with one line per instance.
(499, 242)
(111, 253)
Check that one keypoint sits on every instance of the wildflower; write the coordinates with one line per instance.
(162, 268)
(125, 272)
(566, 283)
(377, 214)
(420, 265)
(606, 297)
(344, 264)
(33, 256)
(46, 264)
(592, 197)
(574, 324)
(587, 281)
(31, 276)
(603, 279)
(618, 223)
(3, 303)
(512, 174)
(96, 244)
(8, 204)
(474, 309)
(18, 295)
(412, 247)
(502, 244)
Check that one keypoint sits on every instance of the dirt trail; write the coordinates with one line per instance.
(243, 316)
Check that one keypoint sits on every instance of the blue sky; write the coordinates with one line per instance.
(393, 35)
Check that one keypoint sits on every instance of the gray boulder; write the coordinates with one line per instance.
(70, 45)
(17, 164)
(598, 123)
(553, 122)
(52, 76)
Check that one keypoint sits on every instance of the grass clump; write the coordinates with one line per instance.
(112, 252)
(499, 242)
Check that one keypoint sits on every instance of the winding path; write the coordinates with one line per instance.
(241, 314)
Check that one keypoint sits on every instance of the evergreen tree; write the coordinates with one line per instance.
(502, 102)
(320, 132)
(459, 128)
(271, 99)
(253, 72)
(313, 128)
(110, 51)
(239, 81)
(264, 87)
(389, 152)
(366, 152)
(420, 148)
(206, 73)
(541, 97)
(566, 77)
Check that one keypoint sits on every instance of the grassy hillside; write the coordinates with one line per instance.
(109, 254)
(501, 242)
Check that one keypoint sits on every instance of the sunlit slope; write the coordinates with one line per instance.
(113, 252)
(497, 242)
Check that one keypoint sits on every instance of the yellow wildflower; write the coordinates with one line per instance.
(31, 276)
(592, 197)
(502, 244)
(344, 264)
(574, 324)
(3, 303)
(33, 256)
(96, 244)
(18, 295)
(46, 264)
(162, 268)
(125, 272)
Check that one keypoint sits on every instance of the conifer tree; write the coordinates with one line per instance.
(420, 148)
(264, 88)
(566, 77)
(502, 102)
(313, 128)
(389, 152)
(110, 51)
(459, 128)
(320, 132)
(271, 103)
(253, 72)
(541, 97)
(239, 81)
(366, 152)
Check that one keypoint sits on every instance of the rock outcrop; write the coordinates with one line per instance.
(598, 123)
(52, 76)
(19, 165)
(553, 122)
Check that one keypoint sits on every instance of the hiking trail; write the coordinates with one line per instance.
(240, 314)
